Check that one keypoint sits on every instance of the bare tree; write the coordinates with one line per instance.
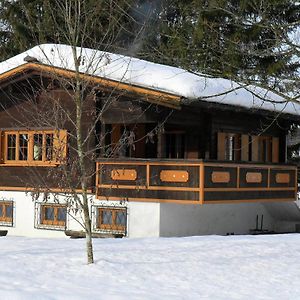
(85, 100)
(81, 107)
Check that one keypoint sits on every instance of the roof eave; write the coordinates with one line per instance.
(151, 95)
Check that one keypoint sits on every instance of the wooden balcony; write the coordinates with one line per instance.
(194, 181)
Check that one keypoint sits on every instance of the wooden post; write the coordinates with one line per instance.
(102, 139)
(160, 145)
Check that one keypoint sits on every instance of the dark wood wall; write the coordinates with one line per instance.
(35, 103)
(200, 124)
(248, 123)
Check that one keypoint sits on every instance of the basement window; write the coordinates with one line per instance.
(52, 216)
(111, 220)
(32, 147)
(6, 213)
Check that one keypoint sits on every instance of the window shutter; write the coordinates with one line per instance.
(63, 142)
(115, 134)
(140, 137)
(2, 147)
(60, 145)
(221, 145)
(245, 147)
(255, 142)
(237, 146)
(275, 149)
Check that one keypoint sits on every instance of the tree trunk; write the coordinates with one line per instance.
(88, 232)
(80, 151)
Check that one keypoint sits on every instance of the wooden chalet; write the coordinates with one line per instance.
(158, 145)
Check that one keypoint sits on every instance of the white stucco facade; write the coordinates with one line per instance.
(155, 219)
(240, 218)
(24, 216)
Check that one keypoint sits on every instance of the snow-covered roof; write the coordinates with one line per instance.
(158, 77)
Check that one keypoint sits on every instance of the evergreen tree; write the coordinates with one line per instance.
(25, 23)
(237, 38)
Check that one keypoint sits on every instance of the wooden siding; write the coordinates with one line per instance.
(27, 100)
(30, 116)
(203, 182)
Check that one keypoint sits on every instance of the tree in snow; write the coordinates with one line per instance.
(238, 40)
(245, 40)
(78, 23)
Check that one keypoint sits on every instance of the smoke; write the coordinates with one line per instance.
(144, 13)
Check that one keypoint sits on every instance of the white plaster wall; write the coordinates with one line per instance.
(24, 217)
(286, 226)
(186, 220)
(143, 219)
(154, 219)
(24, 222)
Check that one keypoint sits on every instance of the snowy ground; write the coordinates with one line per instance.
(212, 267)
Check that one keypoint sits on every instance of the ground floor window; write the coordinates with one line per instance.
(111, 219)
(51, 215)
(6, 213)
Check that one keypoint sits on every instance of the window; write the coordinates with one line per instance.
(233, 147)
(265, 149)
(236, 147)
(53, 215)
(126, 140)
(111, 219)
(6, 212)
(174, 144)
(229, 146)
(34, 147)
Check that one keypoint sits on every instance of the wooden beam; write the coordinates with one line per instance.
(151, 95)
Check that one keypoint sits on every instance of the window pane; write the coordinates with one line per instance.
(8, 210)
(175, 145)
(1, 211)
(37, 146)
(61, 214)
(49, 213)
(23, 146)
(106, 217)
(11, 147)
(49, 146)
(11, 140)
(229, 147)
(121, 218)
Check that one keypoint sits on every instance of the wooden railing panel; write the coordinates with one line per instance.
(245, 174)
(173, 171)
(160, 182)
(278, 174)
(117, 175)
(210, 173)
(253, 183)
(196, 182)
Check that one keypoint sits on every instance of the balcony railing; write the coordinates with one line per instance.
(194, 181)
